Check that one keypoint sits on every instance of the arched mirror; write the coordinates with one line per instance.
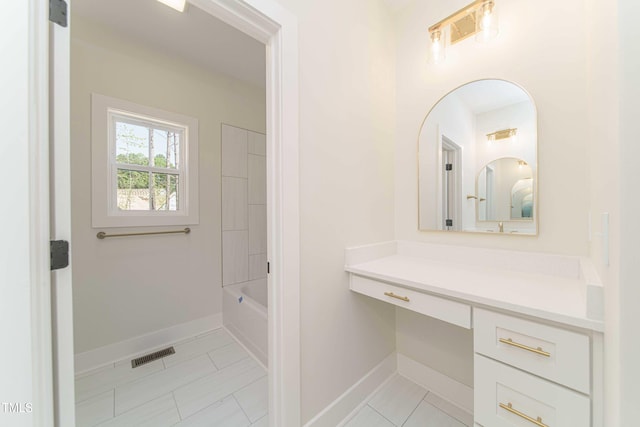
(477, 161)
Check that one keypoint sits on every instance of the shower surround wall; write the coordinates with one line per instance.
(244, 235)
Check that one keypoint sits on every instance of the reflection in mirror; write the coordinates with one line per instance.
(505, 191)
(477, 156)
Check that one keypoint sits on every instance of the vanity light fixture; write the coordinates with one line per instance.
(478, 17)
(178, 5)
(502, 134)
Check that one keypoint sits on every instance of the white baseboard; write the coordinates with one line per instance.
(459, 394)
(248, 347)
(111, 353)
(352, 400)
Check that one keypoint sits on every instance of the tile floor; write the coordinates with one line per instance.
(402, 403)
(210, 381)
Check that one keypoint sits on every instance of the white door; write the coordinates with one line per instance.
(60, 200)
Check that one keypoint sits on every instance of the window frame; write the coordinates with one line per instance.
(105, 212)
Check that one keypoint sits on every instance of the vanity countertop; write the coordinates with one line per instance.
(540, 285)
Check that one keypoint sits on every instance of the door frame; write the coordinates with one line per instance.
(266, 21)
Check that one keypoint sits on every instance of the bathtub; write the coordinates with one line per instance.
(245, 315)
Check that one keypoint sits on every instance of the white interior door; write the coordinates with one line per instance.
(60, 225)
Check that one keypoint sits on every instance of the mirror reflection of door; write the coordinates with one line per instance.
(451, 179)
(507, 185)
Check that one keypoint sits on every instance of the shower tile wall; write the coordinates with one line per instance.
(244, 210)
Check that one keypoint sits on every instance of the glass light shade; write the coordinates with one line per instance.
(178, 5)
(436, 47)
(487, 22)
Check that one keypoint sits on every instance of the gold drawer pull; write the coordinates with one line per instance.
(392, 295)
(509, 407)
(538, 350)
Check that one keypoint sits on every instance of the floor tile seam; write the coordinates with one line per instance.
(450, 403)
(251, 383)
(250, 353)
(113, 410)
(208, 353)
(141, 404)
(115, 387)
(195, 379)
(242, 388)
(190, 358)
(200, 396)
(377, 412)
(230, 394)
(446, 413)
(128, 359)
(182, 341)
(426, 392)
(204, 336)
(228, 366)
(94, 371)
(175, 402)
(102, 423)
(241, 408)
(78, 402)
(120, 384)
(414, 409)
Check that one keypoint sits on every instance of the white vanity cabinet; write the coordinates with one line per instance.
(536, 332)
(527, 372)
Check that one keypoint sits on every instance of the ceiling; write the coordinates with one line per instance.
(194, 35)
(397, 5)
(489, 95)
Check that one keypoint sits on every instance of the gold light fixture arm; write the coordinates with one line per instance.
(459, 14)
(502, 134)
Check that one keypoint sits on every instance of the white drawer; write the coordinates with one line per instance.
(440, 308)
(557, 354)
(504, 397)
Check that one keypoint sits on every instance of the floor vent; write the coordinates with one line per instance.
(153, 356)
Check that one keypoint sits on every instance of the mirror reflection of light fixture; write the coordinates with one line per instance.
(178, 5)
(502, 134)
(478, 17)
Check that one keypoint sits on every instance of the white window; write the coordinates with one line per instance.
(145, 165)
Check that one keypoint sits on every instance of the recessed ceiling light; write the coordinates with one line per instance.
(175, 4)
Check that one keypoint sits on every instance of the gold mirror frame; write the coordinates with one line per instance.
(431, 215)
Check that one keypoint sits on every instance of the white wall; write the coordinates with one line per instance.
(127, 287)
(550, 65)
(346, 187)
(542, 46)
(16, 380)
(629, 230)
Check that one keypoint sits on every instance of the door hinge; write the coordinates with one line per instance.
(58, 12)
(59, 254)
(449, 166)
(268, 267)
(449, 222)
